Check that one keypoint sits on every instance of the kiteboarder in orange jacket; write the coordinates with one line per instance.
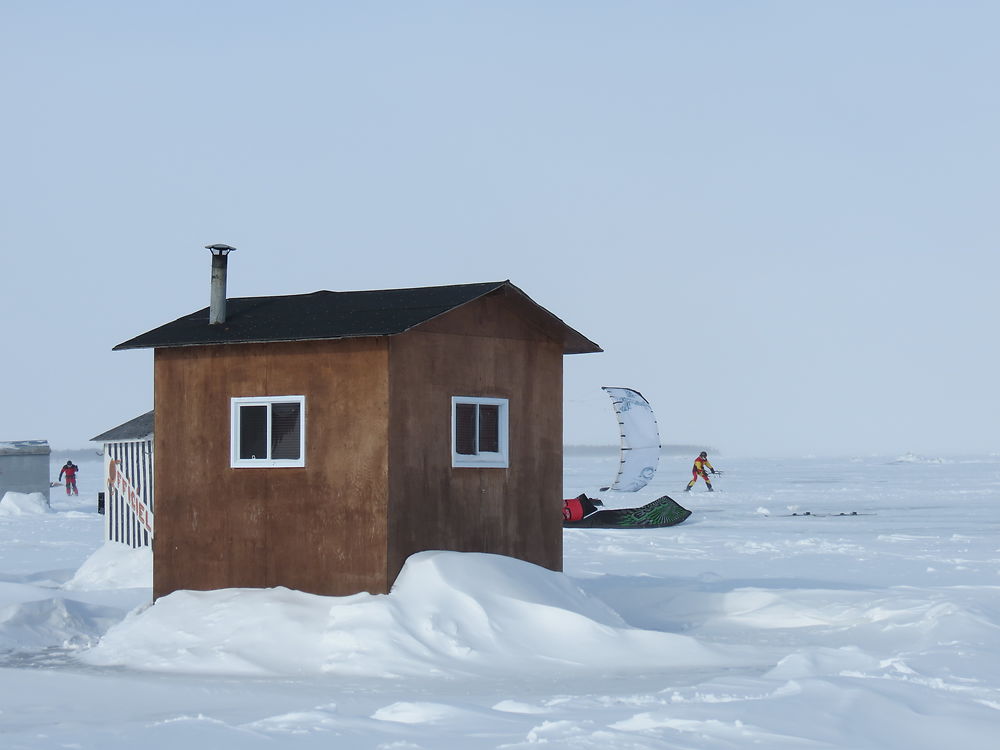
(699, 470)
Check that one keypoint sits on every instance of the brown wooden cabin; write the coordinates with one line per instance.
(315, 441)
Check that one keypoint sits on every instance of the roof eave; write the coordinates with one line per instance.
(185, 344)
(573, 341)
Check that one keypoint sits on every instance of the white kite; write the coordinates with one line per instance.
(640, 440)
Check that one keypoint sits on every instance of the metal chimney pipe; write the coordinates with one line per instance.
(220, 262)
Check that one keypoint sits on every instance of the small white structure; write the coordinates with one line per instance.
(24, 467)
(128, 467)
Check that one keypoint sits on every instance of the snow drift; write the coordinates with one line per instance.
(114, 566)
(32, 618)
(23, 504)
(449, 613)
(53, 623)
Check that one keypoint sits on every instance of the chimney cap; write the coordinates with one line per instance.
(219, 249)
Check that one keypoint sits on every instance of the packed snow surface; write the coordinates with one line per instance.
(749, 625)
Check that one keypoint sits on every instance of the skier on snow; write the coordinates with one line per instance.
(698, 470)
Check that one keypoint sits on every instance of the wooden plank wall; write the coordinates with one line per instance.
(320, 528)
(487, 348)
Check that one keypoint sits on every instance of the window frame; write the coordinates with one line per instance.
(236, 462)
(499, 459)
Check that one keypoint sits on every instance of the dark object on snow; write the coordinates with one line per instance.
(663, 511)
(825, 515)
(577, 507)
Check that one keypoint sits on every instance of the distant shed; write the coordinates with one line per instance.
(128, 467)
(24, 467)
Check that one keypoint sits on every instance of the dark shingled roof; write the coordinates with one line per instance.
(134, 429)
(333, 315)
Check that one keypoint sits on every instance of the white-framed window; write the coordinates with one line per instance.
(268, 431)
(479, 431)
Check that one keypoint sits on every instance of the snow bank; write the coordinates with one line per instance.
(114, 566)
(31, 618)
(53, 623)
(21, 504)
(448, 613)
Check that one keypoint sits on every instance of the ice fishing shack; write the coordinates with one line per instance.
(128, 472)
(24, 467)
(315, 441)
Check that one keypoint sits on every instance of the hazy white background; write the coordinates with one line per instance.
(778, 218)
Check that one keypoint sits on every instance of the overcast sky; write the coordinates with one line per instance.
(779, 219)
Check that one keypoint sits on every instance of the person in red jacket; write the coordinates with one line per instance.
(577, 508)
(70, 469)
(700, 469)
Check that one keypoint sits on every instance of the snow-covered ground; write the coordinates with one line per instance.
(743, 627)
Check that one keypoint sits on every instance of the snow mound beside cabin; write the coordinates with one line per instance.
(448, 613)
(24, 504)
(114, 566)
